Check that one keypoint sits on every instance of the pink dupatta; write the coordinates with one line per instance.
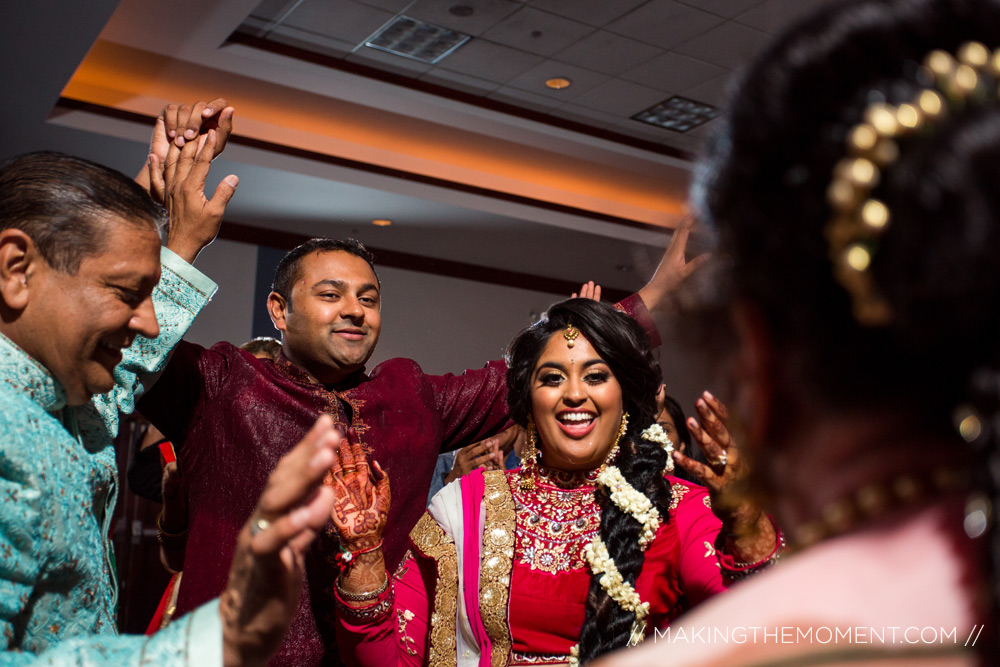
(473, 489)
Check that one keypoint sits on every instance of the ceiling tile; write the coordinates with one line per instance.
(388, 62)
(343, 20)
(494, 62)
(255, 25)
(672, 72)
(640, 130)
(484, 13)
(714, 92)
(533, 81)
(592, 12)
(584, 115)
(729, 45)
(393, 6)
(537, 32)
(272, 9)
(462, 82)
(684, 142)
(311, 41)
(620, 98)
(727, 8)
(607, 52)
(664, 23)
(774, 15)
(524, 99)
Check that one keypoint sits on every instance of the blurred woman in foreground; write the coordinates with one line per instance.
(855, 187)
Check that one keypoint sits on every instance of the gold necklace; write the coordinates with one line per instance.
(875, 500)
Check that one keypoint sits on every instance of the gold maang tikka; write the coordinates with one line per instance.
(570, 334)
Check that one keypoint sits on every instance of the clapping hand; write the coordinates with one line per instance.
(361, 496)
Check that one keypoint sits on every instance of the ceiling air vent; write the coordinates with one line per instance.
(416, 39)
(678, 114)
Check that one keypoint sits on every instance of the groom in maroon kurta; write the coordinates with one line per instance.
(236, 415)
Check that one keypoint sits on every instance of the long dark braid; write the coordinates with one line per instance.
(624, 346)
(607, 626)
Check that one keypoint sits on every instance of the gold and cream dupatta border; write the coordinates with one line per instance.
(432, 542)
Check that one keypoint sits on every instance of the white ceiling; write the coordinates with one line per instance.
(473, 158)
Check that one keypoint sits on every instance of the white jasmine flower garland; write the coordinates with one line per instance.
(656, 434)
(631, 502)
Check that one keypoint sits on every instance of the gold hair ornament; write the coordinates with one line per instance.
(860, 220)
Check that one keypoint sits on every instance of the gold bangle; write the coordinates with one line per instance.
(169, 540)
(367, 596)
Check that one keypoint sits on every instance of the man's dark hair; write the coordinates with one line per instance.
(288, 271)
(63, 203)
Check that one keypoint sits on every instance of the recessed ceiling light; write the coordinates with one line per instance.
(381, 222)
(558, 83)
(678, 114)
(419, 40)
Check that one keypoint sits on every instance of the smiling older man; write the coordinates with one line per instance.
(80, 272)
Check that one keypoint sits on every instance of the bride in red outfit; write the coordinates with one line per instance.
(585, 549)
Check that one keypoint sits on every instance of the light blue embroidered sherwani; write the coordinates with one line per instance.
(58, 486)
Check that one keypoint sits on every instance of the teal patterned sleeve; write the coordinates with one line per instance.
(180, 295)
(20, 561)
(195, 639)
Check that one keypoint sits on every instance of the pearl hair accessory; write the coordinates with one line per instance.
(859, 220)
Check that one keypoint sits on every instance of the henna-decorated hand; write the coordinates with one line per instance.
(726, 472)
(360, 495)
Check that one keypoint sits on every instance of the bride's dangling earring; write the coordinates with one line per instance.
(527, 481)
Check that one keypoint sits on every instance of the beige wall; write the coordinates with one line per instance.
(445, 324)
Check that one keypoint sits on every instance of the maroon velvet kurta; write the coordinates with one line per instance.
(237, 416)
(234, 416)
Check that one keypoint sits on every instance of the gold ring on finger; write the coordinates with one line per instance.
(259, 526)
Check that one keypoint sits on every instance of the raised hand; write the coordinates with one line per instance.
(483, 454)
(743, 520)
(673, 268)
(361, 496)
(725, 466)
(588, 290)
(176, 125)
(265, 580)
(183, 123)
(194, 219)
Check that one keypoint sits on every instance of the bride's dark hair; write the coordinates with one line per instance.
(624, 346)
